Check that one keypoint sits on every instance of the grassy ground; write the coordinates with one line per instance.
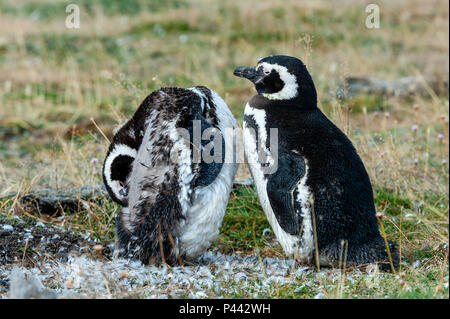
(63, 91)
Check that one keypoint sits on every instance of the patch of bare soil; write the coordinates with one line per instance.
(28, 243)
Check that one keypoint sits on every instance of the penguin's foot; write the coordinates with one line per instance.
(357, 255)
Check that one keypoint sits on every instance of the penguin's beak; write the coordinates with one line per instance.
(248, 72)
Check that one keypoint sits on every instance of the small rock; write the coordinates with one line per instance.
(69, 283)
(98, 248)
(8, 228)
(320, 295)
(27, 288)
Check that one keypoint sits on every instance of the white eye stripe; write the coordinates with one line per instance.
(290, 87)
(118, 150)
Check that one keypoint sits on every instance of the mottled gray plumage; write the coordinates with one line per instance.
(149, 169)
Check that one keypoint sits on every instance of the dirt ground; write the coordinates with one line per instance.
(30, 243)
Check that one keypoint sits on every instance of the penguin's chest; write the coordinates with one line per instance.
(257, 143)
(205, 212)
(260, 159)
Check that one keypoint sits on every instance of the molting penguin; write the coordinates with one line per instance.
(173, 198)
(313, 165)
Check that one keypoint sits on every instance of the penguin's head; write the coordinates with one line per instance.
(116, 171)
(281, 77)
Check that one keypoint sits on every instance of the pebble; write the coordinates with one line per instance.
(8, 228)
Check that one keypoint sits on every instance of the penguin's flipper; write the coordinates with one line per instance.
(212, 154)
(280, 190)
(161, 172)
(145, 228)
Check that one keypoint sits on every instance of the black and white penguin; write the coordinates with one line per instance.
(313, 165)
(173, 196)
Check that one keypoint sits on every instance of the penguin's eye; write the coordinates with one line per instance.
(266, 70)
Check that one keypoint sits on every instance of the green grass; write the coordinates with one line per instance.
(244, 224)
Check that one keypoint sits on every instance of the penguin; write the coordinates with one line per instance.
(312, 184)
(171, 167)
